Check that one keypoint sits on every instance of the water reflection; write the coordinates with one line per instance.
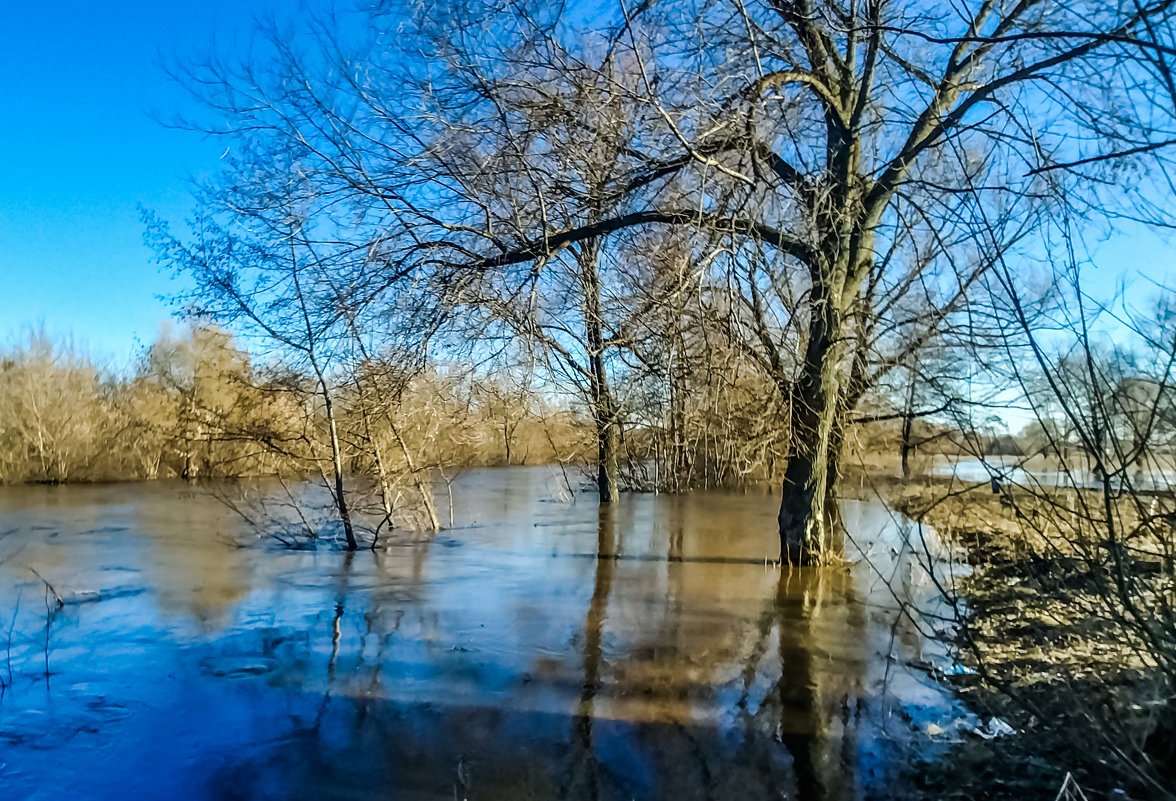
(538, 650)
(818, 706)
(194, 562)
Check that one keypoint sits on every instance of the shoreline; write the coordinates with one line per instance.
(1040, 654)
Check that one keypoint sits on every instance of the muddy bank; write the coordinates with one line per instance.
(1043, 650)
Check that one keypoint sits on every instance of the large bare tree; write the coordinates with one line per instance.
(822, 159)
(820, 140)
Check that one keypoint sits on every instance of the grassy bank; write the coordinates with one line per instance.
(1049, 652)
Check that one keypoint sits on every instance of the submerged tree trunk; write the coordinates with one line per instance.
(608, 435)
(340, 491)
(608, 471)
(604, 409)
(804, 518)
(337, 469)
(825, 394)
(324, 389)
(679, 460)
(381, 469)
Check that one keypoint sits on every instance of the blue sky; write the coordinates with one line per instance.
(82, 89)
(80, 151)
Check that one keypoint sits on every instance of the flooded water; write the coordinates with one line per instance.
(1038, 473)
(539, 649)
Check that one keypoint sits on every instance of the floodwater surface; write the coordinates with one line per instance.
(1042, 473)
(538, 649)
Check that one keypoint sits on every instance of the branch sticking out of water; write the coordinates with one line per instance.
(49, 588)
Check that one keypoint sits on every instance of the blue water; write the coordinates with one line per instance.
(536, 650)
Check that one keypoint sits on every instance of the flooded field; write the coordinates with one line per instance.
(539, 649)
(1042, 473)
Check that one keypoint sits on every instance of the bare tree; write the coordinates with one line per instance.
(262, 271)
(821, 160)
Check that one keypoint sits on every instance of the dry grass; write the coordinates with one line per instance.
(1053, 654)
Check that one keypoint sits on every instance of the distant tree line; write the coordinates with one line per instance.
(197, 406)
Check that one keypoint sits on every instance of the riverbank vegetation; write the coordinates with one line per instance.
(197, 405)
(1061, 638)
(1068, 620)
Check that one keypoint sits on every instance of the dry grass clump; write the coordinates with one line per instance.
(1065, 629)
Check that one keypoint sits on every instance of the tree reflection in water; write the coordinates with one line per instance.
(557, 651)
(790, 732)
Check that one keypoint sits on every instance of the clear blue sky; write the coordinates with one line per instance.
(80, 151)
(81, 148)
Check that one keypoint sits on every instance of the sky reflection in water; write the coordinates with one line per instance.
(501, 660)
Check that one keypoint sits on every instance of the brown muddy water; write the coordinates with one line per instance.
(537, 650)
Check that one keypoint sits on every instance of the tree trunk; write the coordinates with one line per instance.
(804, 510)
(608, 469)
(189, 469)
(608, 435)
(905, 450)
(337, 468)
(424, 491)
(908, 425)
(604, 410)
(679, 464)
(835, 526)
(381, 470)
